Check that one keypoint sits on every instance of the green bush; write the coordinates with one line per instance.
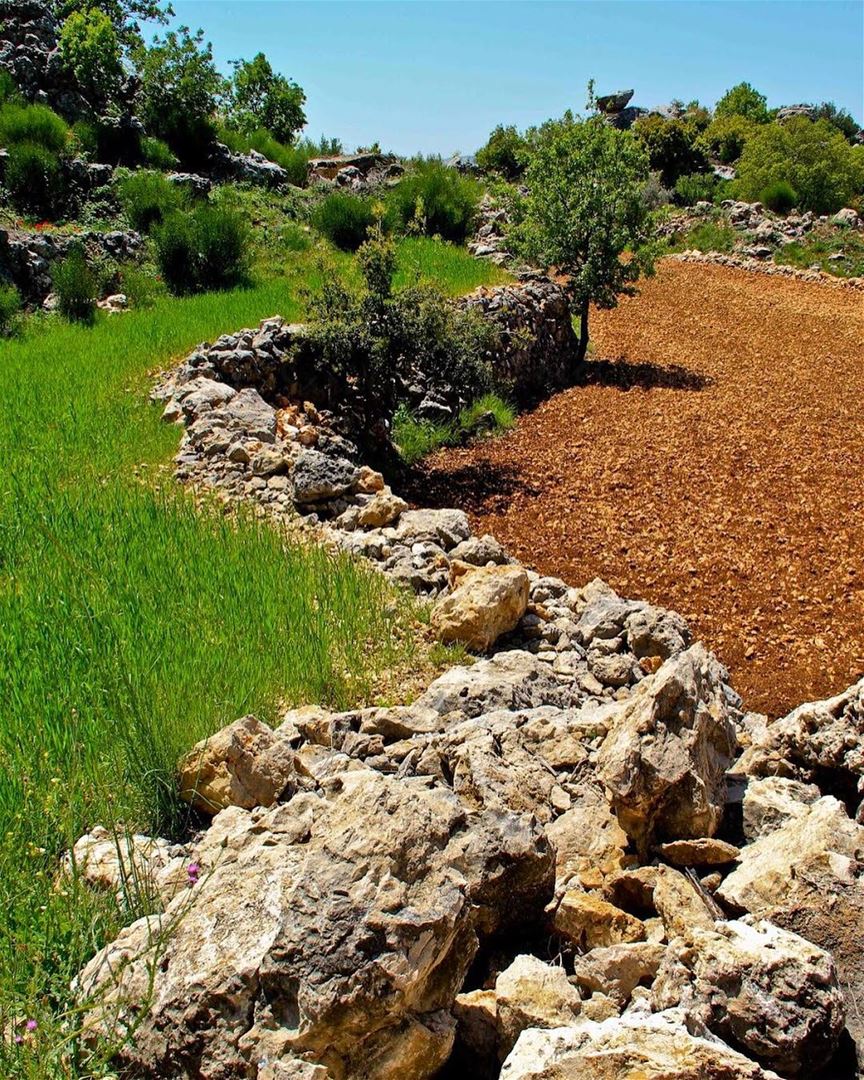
(672, 145)
(261, 98)
(344, 219)
(743, 100)
(779, 197)
(814, 158)
(206, 248)
(140, 286)
(34, 178)
(709, 236)
(158, 154)
(697, 187)
(10, 305)
(503, 153)
(35, 124)
(435, 200)
(726, 136)
(85, 139)
(91, 53)
(8, 88)
(148, 197)
(76, 287)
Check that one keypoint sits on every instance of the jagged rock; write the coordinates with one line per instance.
(652, 1047)
(531, 994)
(613, 103)
(668, 892)
(591, 922)
(480, 551)
(616, 970)
(820, 742)
(665, 758)
(445, 527)
(703, 852)
(337, 926)
(589, 843)
(382, 509)
(317, 477)
(202, 395)
(770, 802)
(476, 1014)
(245, 764)
(248, 412)
(271, 461)
(485, 603)
(758, 987)
(132, 866)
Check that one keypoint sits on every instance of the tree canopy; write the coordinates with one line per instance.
(584, 210)
(259, 97)
(744, 100)
(126, 15)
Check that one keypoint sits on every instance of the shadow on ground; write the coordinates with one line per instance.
(480, 483)
(627, 375)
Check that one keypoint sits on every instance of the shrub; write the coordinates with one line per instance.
(148, 197)
(140, 286)
(709, 236)
(779, 197)
(697, 187)
(75, 285)
(35, 124)
(344, 219)
(157, 153)
(814, 158)
(85, 138)
(672, 146)
(503, 153)
(34, 178)
(90, 51)
(10, 305)
(654, 194)
(8, 88)
(436, 200)
(726, 136)
(838, 118)
(206, 248)
(743, 100)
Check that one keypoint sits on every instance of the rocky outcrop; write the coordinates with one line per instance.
(359, 172)
(252, 167)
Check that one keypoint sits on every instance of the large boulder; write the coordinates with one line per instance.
(532, 994)
(337, 927)
(664, 761)
(653, 1047)
(318, 477)
(758, 987)
(485, 603)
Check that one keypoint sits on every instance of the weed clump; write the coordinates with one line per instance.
(205, 248)
(76, 287)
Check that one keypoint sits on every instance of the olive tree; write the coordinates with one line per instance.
(584, 213)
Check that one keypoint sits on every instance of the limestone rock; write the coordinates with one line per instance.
(486, 603)
(760, 988)
(531, 994)
(250, 413)
(134, 867)
(770, 802)
(589, 843)
(337, 926)
(665, 758)
(706, 851)
(652, 1047)
(245, 764)
(318, 477)
(617, 970)
(382, 509)
(480, 551)
(673, 896)
(445, 527)
(589, 921)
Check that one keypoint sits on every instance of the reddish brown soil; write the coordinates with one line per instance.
(713, 462)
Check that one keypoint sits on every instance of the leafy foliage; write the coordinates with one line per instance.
(34, 178)
(489, 415)
(179, 90)
(76, 287)
(838, 118)
(584, 210)
(726, 136)
(672, 146)
(36, 124)
(744, 100)
(205, 248)
(148, 198)
(814, 158)
(779, 196)
(259, 98)
(157, 153)
(504, 153)
(344, 219)
(696, 187)
(125, 15)
(435, 200)
(90, 50)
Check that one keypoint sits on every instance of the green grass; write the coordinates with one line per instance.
(450, 267)
(818, 246)
(709, 236)
(416, 438)
(132, 624)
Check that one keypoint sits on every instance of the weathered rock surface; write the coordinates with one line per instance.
(665, 759)
(338, 927)
(763, 989)
(531, 994)
(657, 1047)
(485, 603)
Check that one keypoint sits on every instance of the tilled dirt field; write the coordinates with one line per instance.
(712, 462)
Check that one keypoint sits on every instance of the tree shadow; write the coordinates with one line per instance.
(628, 375)
(475, 485)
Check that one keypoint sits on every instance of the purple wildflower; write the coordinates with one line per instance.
(193, 871)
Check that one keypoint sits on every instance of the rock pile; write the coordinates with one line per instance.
(490, 239)
(356, 172)
(553, 863)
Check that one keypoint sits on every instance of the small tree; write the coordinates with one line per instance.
(503, 153)
(672, 146)
(744, 100)
(258, 97)
(584, 210)
(90, 50)
(125, 15)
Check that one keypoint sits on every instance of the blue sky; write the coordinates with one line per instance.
(437, 76)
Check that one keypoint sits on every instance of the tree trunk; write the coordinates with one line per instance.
(582, 348)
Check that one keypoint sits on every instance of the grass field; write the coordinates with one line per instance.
(132, 624)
